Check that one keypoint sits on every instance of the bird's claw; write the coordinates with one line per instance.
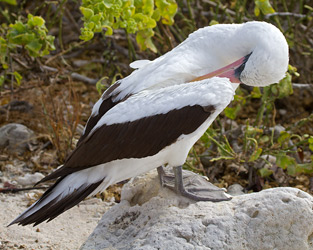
(191, 185)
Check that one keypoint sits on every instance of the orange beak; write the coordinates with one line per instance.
(231, 71)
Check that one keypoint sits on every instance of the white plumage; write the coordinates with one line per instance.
(211, 48)
(215, 91)
(155, 115)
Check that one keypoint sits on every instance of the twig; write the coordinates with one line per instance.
(82, 78)
(228, 11)
(15, 190)
(48, 68)
(74, 75)
(284, 14)
(64, 52)
(69, 15)
(306, 86)
(15, 58)
(302, 85)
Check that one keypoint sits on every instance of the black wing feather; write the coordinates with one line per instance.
(137, 139)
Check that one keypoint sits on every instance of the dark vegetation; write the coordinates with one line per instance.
(56, 56)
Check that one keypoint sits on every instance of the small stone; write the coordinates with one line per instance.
(235, 189)
(282, 112)
(30, 179)
(16, 138)
(277, 130)
(4, 157)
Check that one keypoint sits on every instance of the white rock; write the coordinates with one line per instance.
(150, 217)
(30, 179)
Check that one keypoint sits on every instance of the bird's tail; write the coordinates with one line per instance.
(63, 195)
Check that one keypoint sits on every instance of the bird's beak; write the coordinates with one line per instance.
(231, 71)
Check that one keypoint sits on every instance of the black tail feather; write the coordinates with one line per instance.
(56, 206)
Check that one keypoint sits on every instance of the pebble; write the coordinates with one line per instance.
(30, 179)
(16, 138)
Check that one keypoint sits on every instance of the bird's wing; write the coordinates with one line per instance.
(137, 139)
(103, 105)
(148, 122)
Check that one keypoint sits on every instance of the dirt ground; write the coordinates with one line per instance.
(67, 232)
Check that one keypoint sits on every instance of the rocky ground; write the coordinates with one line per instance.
(151, 217)
(67, 232)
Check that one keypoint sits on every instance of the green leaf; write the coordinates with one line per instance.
(86, 34)
(108, 4)
(35, 21)
(156, 15)
(88, 13)
(109, 31)
(293, 70)
(90, 25)
(17, 28)
(251, 131)
(213, 22)
(3, 52)
(264, 139)
(34, 47)
(12, 2)
(1, 80)
(310, 140)
(283, 137)
(147, 7)
(256, 11)
(291, 169)
(133, 15)
(100, 86)
(285, 86)
(143, 38)
(222, 158)
(284, 161)
(265, 172)
(5, 65)
(17, 77)
(256, 92)
(131, 26)
(256, 154)
(32, 35)
(150, 45)
(264, 6)
(96, 18)
(230, 113)
(306, 168)
(50, 42)
(168, 9)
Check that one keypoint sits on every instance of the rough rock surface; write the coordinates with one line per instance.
(150, 217)
(17, 138)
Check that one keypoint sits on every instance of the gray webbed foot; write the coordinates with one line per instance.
(191, 185)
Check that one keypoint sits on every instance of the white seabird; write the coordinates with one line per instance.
(155, 115)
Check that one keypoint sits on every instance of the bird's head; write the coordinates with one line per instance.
(264, 60)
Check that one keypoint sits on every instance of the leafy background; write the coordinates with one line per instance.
(58, 56)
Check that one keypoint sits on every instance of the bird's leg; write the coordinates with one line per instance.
(161, 174)
(166, 179)
(195, 188)
(192, 193)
